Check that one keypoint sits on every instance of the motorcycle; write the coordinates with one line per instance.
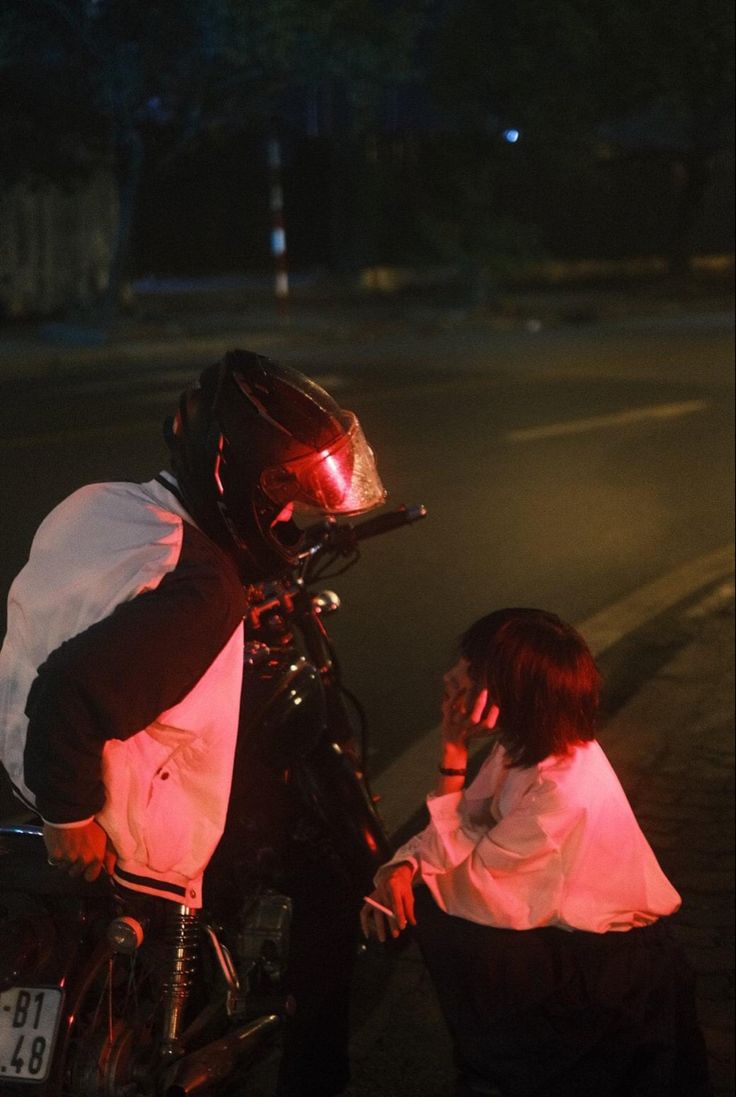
(112, 994)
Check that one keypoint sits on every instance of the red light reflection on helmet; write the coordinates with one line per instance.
(341, 478)
(339, 471)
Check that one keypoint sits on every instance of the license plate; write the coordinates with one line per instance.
(29, 1017)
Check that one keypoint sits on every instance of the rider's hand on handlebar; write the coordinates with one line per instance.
(394, 893)
(80, 851)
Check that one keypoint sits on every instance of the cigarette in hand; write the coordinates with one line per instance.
(379, 906)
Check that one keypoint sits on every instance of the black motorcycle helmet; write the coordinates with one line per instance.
(252, 437)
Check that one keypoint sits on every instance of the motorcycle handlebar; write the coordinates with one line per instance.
(384, 523)
(345, 536)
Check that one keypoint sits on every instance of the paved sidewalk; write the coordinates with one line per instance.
(672, 744)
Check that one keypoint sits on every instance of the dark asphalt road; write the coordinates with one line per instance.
(572, 518)
(560, 468)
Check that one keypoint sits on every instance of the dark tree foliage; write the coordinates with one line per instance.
(132, 81)
(50, 124)
(675, 59)
(654, 76)
(146, 85)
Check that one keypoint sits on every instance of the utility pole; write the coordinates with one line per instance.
(278, 228)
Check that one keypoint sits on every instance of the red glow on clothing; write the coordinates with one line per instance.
(370, 841)
(218, 462)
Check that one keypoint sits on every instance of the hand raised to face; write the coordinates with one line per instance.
(466, 711)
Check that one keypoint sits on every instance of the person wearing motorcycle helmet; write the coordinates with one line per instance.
(121, 671)
(125, 627)
(254, 440)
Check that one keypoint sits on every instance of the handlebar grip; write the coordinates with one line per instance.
(343, 537)
(393, 519)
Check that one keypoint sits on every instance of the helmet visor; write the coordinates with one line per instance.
(341, 478)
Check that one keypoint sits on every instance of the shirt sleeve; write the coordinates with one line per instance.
(506, 872)
(116, 677)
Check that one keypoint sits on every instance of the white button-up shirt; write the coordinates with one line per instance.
(555, 844)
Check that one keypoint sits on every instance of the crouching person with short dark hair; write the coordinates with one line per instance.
(539, 906)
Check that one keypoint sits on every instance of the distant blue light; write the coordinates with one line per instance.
(512, 136)
(278, 242)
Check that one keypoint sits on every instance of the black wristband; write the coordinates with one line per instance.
(452, 772)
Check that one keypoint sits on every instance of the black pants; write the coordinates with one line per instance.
(548, 1013)
(279, 835)
(323, 948)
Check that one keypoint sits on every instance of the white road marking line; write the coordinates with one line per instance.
(403, 785)
(606, 628)
(713, 602)
(603, 422)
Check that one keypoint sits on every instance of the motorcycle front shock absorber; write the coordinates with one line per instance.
(179, 964)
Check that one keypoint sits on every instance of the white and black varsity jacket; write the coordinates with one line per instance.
(120, 680)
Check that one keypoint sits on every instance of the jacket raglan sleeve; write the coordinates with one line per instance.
(116, 677)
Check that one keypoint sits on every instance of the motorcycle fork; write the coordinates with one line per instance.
(179, 966)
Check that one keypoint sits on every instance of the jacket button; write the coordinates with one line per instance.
(164, 776)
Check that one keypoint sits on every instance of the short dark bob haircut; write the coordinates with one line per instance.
(541, 674)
